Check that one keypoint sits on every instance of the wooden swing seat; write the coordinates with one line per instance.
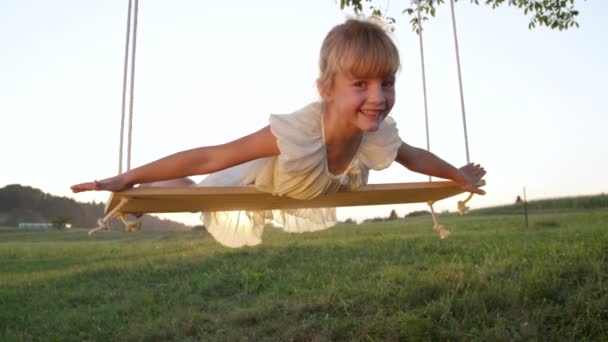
(196, 199)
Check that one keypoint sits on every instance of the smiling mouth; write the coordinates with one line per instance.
(371, 113)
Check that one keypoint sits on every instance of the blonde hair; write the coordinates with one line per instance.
(357, 47)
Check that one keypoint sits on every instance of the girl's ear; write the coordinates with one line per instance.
(324, 90)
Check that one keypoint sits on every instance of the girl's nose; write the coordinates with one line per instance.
(376, 95)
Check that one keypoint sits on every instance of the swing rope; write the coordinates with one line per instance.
(103, 223)
(443, 233)
(131, 82)
(422, 64)
(462, 208)
(124, 88)
(460, 87)
(132, 85)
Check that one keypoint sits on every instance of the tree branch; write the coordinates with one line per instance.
(554, 14)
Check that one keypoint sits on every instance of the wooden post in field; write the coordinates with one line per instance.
(526, 207)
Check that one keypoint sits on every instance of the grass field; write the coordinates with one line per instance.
(493, 279)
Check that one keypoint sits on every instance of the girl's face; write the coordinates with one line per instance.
(362, 101)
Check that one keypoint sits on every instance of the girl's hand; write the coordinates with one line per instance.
(473, 174)
(113, 184)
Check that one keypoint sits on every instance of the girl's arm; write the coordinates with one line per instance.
(198, 161)
(422, 161)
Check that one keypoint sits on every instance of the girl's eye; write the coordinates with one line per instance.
(359, 84)
(388, 84)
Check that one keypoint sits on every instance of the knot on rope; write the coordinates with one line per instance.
(130, 226)
(102, 226)
(462, 208)
(102, 223)
(443, 233)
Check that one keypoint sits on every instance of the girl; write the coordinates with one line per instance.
(324, 147)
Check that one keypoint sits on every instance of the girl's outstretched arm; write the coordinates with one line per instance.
(422, 161)
(198, 161)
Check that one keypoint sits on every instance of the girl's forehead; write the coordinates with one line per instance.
(369, 67)
(350, 75)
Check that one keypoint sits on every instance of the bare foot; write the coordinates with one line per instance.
(111, 184)
(90, 186)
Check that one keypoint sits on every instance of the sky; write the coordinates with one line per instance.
(209, 72)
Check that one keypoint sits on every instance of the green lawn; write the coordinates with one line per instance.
(492, 279)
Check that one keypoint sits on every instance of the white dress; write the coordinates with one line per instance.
(299, 171)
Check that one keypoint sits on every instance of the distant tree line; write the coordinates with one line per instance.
(391, 217)
(26, 204)
(548, 205)
(543, 205)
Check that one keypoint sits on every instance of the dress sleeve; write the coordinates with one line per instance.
(379, 149)
(299, 138)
